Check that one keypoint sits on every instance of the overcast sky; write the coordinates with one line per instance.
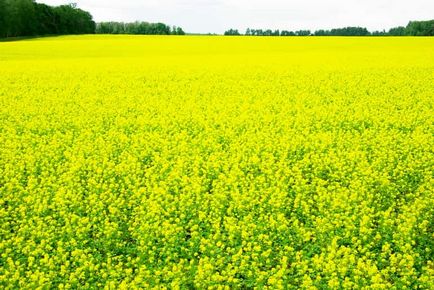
(216, 16)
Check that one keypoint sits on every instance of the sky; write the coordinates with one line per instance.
(216, 16)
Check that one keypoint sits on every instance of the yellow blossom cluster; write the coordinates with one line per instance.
(140, 162)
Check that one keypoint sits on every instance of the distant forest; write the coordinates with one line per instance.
(414, 28)
(137, 28)
(27, 18)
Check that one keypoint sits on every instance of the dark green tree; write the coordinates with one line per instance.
(20, 18)
(179, 31)
(137, 28)
(45, 20)
(322, 32)
(287, 33)
(302, 32)
(379, 33)
(71, 20)
(27, 18)
(397, 31)
(420, 28)
(346, 31)
(232, 32)
(3, 18)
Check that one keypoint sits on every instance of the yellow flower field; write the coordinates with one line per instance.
(137, 162)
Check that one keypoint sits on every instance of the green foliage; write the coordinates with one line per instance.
(3, 14)
(46, 19)
(73, 21)
(346, 31)
(178, 31)
(287, 33)
(28, 18)
(277, 32)
(420, 28)
(397, 31)
(302, 32)
(379, 33)
(17, 18)
(232, 32)
(414, 28)
(137, 28)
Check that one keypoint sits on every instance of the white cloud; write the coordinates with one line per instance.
(218, 15)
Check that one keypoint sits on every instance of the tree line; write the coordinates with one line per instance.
(413, 28)
(137, 28)
(28, 18)
(268, 32)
